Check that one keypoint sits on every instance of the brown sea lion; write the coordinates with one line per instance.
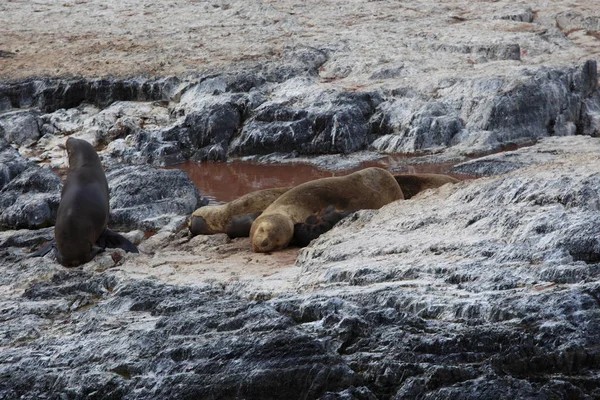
(411, 184)
(316, 225)
(235, 217)
(80, 231)
(370, 188)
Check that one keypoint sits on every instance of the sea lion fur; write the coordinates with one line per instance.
(316, 225)
(411, 184)
(80, 231)
(235, 217)
(369, 188)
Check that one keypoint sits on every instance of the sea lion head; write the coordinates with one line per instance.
(81, 154)
(271, 232)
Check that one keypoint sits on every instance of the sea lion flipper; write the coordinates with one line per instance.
(112, 240)
(240, 226)
(316, 226)
(94, 252)
(44, 250)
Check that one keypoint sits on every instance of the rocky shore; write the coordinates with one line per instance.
(488, 288)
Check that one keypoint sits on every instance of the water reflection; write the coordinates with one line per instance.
(223, 182)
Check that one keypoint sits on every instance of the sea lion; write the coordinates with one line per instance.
(235, 217)
(316, 225)
(80, 231)
(370, 188)
(411, 184)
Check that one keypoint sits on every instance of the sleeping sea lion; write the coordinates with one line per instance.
(80, 231)
(316, 225)
(370, 188)
(411, 184)
(235, 217)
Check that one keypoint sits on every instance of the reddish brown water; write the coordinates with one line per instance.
(224, 182)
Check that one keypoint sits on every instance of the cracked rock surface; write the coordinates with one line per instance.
(488, 288)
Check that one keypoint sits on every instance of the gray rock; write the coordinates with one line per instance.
(522, 15)
(572, 20)
(147, 198)
(67, 121)
(11, 163)
(546, 150)
(405, 129)
(486, 114)
(314, 122)
(257, 338)
(29, 195)
(26, 238)
(123, 118)
(483, 289)
(20, 127)
(53, 94)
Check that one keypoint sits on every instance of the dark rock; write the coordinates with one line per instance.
(27, 238)
(340, 128)
(11, 163)
(147, 198)
(486, 114)
(50, 94)
(210, 128)
(29, 195)
(482, 52)
(404, 131)
(253, 358)
(352, 393)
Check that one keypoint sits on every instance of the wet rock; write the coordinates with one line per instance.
(147, 198)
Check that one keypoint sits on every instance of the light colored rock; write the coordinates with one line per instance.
(20, 127)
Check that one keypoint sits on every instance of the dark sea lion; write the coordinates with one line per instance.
(370, 188)
(316, 225)
(411, 184)
(235, 217)
(80, 231)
